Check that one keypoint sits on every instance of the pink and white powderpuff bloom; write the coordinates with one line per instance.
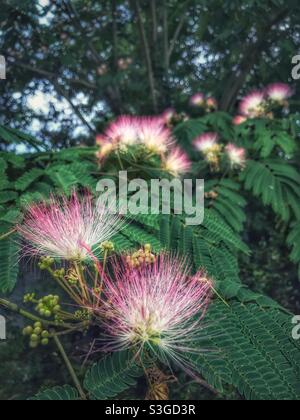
(159, 306)
(177, 162)
(239, 119)
(206, 142)
(100, 139)
(67, 228)
(236, 155)
(154, 135)
(212, 103)
(123, 131)
(168, 115)
(106, 149)
(279, 92)
(198, 99)
(253, 105)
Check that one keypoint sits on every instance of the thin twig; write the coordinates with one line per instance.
(69, 367)
(15, 308)
(147, 53)
(154, 22)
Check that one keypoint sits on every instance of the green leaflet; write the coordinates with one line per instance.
(58, 393)
(272, 180)
(9, 260)
(252, 349)
(112, 376)
(28, 178)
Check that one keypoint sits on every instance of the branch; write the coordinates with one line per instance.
(112, 94)
(115, 33)
(69, 367)
(15, 308)
(154, 21)
(166, 35)
(184, 15)
(175, 37)
(147, 53)
(72, 12)
(51, 78)
(49, 75)
(67, 97)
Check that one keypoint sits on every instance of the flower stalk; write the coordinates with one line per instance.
(69, 366)
(15, 308)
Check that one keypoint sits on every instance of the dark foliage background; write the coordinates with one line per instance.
(74, 65)
(97, 57)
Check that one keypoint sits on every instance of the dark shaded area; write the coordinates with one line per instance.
(98, 56)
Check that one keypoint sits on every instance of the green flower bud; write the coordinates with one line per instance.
(45, 334)
(34, 338)
(148, 247)
(29, 297)
(45, 342)
(37, 331)
(48, 314)
(107, 246)
(33, 344)
(38, 325)
(27, 331)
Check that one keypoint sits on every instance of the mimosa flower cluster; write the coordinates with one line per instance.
(67, 228)
(207, 103)
(144, 302)
(150, 134)
(208, 144)
(171, 117)
(157, 306)
(261, 103)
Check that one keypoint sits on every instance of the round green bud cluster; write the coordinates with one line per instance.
(59, 274)
(72, 277)
(73, 281)
(29, 297)
(48, 306)
(141, 257)
(82, 315)
(38, 336)
(107, 246)
(58, 319)
(46, 263)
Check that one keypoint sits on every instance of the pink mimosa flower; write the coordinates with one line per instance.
(236, 155)
(177, 162)
(168, 115)
(159, 306)
(149, 132)
(198, 99)
(67, 227)
(206, 142)
(279, 92)
(105, 150)
(123, 131)
(253, 105)
(212, 103)
(154, 135)
(100, 139)
(239, 119)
